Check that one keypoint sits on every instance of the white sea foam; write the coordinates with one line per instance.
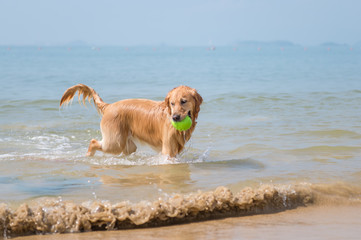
(7, 155)
(143, 158)
(51, 142)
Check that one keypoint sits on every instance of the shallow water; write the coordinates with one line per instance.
(270, 119)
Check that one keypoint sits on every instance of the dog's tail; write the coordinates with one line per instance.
(87, 92)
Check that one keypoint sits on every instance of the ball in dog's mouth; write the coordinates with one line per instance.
(183, 125)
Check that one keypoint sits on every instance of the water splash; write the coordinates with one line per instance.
(58, 216)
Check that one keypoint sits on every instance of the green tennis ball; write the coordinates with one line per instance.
(183, 125)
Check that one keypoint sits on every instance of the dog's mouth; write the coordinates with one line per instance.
(178, 118)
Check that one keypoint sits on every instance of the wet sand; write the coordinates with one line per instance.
(314, 222)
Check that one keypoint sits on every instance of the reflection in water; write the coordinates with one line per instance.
(176, 175)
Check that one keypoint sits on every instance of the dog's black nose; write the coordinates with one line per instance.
(176, 117)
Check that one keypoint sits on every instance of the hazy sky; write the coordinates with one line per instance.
(182, 22)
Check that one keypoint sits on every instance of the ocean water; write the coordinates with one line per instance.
(278, 129)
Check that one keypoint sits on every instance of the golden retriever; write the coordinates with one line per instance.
(144, 120)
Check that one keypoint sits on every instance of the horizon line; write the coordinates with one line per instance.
(284, 43)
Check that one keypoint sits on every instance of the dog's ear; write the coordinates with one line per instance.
(167, 103)
(198, 101)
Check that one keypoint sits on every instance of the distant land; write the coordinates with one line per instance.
(253, 44)
(269, 44)
(281, 43)
(333, 44)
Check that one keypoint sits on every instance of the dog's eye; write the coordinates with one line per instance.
(183, 101)
(172, 103)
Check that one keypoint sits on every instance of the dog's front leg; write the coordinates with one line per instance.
(169, 148)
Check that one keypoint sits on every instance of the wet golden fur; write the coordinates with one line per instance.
(145, 120)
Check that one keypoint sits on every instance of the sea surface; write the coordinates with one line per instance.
(279, 129)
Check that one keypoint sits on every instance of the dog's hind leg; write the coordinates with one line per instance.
(130, 147)
(93, 147)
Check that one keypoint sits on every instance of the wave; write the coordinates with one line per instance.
(326, 149)
(58, 216)
(26, 103)
(333, 133)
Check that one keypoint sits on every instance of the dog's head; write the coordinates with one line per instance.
(183, 101)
